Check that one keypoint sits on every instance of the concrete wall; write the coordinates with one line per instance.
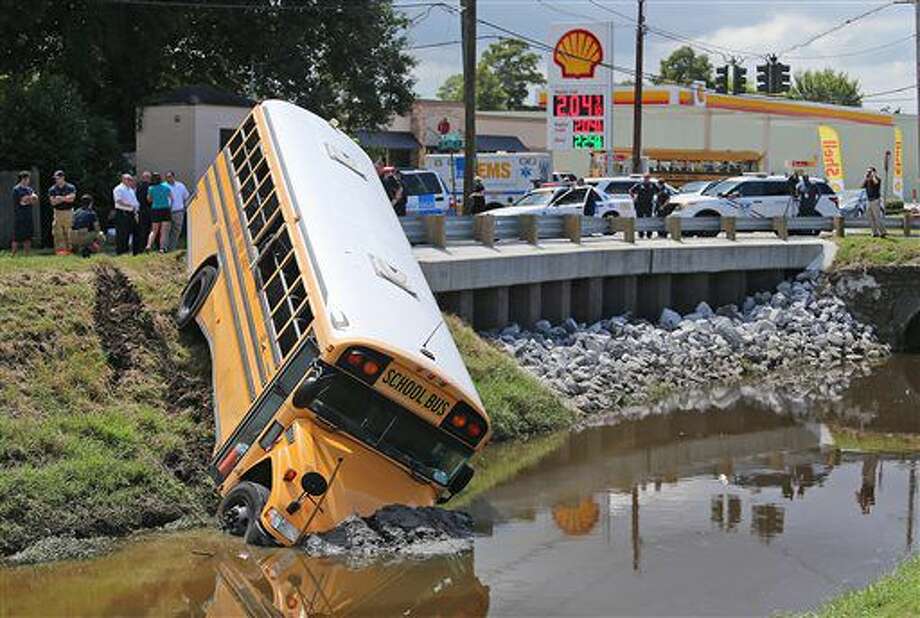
(492, 287)
(166, 140)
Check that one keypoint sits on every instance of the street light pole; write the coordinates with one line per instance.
(637, 92)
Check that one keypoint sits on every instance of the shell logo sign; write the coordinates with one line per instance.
(577, 53)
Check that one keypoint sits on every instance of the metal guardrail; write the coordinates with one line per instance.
(441, 231)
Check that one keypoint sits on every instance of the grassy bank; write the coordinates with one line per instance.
(105, 415)
(518, 404)
(894, 596)
(103, 430)
(857, 251)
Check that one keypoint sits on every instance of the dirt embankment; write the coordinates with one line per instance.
(105, 413)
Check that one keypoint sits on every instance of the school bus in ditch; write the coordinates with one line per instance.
(337, 387)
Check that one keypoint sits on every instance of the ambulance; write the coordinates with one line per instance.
(506, 175)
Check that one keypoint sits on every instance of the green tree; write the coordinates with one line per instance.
(826, 86)
(504, 76)
(341, 59)
(489, 92)
(684, 66)
(517, 69)
(45, 123)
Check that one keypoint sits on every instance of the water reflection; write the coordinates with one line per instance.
(739, 508)
(208, 574)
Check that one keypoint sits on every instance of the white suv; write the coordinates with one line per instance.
(753, 196)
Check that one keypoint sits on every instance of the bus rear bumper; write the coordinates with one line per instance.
(358, 481)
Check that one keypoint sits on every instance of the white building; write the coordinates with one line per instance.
(183, 130)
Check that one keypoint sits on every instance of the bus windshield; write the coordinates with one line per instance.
(387, 427)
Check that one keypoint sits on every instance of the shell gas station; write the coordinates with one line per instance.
(688, 133)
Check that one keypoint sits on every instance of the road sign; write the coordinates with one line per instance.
(450, 142)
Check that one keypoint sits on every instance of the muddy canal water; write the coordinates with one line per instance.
(734, 501)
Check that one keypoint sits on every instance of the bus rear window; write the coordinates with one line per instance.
(424, 183)
(390, 429)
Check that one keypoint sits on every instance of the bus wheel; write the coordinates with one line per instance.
(194, 295)
(239, 511)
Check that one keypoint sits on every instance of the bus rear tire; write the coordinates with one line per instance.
(238, 513)
(194, 295)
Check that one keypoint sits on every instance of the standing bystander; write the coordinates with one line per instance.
(24, 199)
(62, 196)
(126, 212)
(180, 197)
(160, 198)
(143, 214)
(663, 205)
(873, 186)
(643, 195)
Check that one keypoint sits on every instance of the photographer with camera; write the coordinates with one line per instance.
(873, 186)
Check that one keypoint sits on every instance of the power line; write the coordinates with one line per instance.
(867, 50)
(457, 42)
(272, 5)
(884, 92)
(837, 27)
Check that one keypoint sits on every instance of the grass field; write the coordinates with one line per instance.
(864, 250)
(105, 413)
(894, 596)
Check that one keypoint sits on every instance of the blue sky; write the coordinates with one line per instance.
(878, 49)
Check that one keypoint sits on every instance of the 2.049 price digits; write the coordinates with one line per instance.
(589, 141)
(575, 105)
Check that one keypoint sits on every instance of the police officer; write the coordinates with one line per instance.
(643, 195)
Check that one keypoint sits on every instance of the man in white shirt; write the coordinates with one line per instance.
(126, 207)
(180, 197)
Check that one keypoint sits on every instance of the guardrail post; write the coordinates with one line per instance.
(672, 224)
(907, 223)
(530, 229)
(484, 229)
(627, 225)
(839, 227)
(730, 227)
(781, 227)
(436, 230)
(572, 227)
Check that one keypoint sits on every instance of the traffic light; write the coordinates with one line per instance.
(780, 77)
(722, 79)
(763, 78)
(739, 80)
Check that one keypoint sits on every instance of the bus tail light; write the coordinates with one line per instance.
(227, 464)
(465, 423)
(363, 363)
(290, 475)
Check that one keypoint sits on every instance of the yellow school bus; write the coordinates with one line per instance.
(337, 386)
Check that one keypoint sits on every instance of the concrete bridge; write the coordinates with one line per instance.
(596, 277)
(887, 297)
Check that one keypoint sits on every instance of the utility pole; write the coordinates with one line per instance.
(916, 4)
(637, 93)
(469, 101)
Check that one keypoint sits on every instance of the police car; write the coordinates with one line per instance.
(758, 195)
(562, 200)
(425, 193)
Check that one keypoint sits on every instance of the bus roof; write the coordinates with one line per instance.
(373, 289)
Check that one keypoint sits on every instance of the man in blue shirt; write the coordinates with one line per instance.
(24, 199)
(62, 196)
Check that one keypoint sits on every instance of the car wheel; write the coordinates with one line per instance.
(238, 513)
(194, 295)
(707, 213)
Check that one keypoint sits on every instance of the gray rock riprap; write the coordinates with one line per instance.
(800, 331)
(395, 531)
